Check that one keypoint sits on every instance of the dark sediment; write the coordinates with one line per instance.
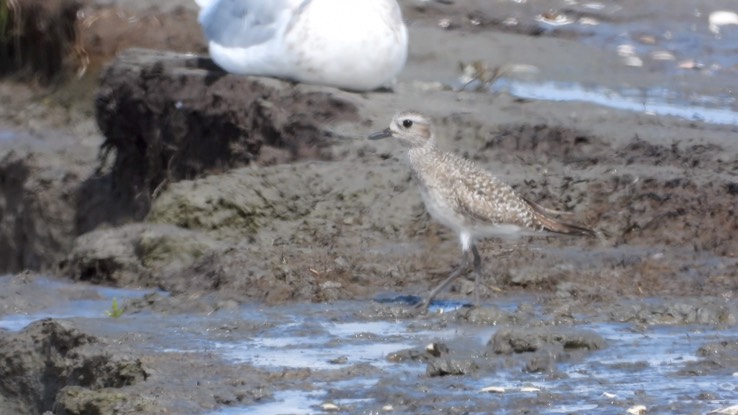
(38, 38)
(171, 117)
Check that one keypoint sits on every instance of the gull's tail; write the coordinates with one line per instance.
(203, 3)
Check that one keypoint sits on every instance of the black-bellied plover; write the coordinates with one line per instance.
(351, 44)
(467, 198)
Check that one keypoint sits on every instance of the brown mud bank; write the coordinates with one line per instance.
(351, 223)
(661, 190)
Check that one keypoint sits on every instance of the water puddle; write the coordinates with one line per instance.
(656, 101)
(90, 302)
(345, 350)
(309, 339)
(678, 40)
(687, 52)
(285, 402)
(7, 135)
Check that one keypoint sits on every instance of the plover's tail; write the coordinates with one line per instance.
(544, 220)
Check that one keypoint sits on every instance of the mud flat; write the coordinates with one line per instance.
(205, 355)
(263, 255)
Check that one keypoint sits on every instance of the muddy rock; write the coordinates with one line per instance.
(446, 366)
(53, 366)
(430, 352)
(296, 241)
(486, 316)
(522, 340)
(130, 255)
(50, 356)
(714, 358)
(717, 311)
(443, 361)
(39, 178)
(168, 117)
(543, 347)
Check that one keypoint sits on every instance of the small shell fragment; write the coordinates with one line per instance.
(493, 389)
(444, 23)
(529, 389)
(728, 410)
(689, 64)
(637, 410)
(662, 55)
(436, 349)
(721, 18)
(588, 21)
(554, 18)
(633, 61)
(626, 50)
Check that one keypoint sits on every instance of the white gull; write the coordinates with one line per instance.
(351, 44)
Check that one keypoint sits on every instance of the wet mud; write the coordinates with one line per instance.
(199, 243)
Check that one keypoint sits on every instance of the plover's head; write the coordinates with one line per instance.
(413, 129)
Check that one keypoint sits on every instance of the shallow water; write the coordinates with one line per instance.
(97, 302)
(656, 101)
(345, 346)
(7, 135)
(690, 65)
(665, 40)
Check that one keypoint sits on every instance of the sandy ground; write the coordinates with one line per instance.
(346, 223)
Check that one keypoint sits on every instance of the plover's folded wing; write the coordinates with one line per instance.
(244, 23)
(487, 201)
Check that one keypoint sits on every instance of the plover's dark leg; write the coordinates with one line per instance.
(463, 266)
(477, 273)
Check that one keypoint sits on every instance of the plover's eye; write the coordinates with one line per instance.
(407, 123)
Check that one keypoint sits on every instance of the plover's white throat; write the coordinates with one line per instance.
(351, 44)
(466, 198)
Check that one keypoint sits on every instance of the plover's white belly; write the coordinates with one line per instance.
(445, 213)
(442, 211)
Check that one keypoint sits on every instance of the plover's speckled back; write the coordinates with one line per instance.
(350, 44)
(467, 198)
